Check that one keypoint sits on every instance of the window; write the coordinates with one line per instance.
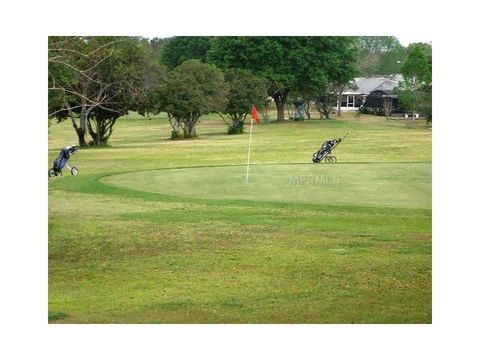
(350, 101)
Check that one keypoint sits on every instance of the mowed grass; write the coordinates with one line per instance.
(334, 184)
(161, 231)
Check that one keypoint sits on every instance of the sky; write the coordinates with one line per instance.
(406, 39)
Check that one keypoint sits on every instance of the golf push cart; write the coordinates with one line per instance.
(62, 161)
(326, 149)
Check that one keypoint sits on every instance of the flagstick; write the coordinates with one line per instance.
(249, 143)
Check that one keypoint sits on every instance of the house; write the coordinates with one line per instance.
(371, 92)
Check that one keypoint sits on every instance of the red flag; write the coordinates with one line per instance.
(255, 114)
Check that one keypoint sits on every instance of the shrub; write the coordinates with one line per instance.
(372, 111)
(235, 128)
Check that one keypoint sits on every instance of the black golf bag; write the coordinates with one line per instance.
(326, 149)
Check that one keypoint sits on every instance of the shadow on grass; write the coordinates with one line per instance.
(56, 315)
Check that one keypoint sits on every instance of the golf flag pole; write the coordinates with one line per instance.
(255, 116)
(249, 144)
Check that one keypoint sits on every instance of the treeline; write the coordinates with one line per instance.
(95, 80)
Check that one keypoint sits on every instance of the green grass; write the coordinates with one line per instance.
(160, 231)
(334, 184)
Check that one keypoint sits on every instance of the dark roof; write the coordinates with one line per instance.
(367, 85)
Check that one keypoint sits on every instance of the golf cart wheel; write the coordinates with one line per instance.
(51, 173)
(333, 159)
(74, 171)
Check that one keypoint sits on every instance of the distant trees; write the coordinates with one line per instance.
(415, 93)
(190, 90)
(418, 65)
(380, 55)
(94, 80)
(157, 45)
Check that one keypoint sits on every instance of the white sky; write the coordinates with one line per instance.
(406, 39)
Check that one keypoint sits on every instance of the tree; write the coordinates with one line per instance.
(158, 44)
(380, 55)
(245, 90)
(325, 100)
(341, 67)
(264, 56)
(425, 101)
(407, 97)
(387, 106)
(190, 90)
(289, 63)
(415, 92)
(178, 49)
(418, 66)
(333, 72)
(95, 80)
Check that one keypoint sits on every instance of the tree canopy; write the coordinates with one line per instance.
(415, 93)
(380, 55)
(289, 63)
(190, 90)
(180, 48)
(245, 90)
(418, 64)
(95, 80)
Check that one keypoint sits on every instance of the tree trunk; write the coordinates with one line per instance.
(190, 128)
(80, 133)
(307, 109)
(98, 138)
(339, 104)
(387, 107)
(280, 101)
(84, 122)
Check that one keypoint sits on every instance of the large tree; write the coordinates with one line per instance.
(190, 90)
(340, 66)
(246, 90)
(289, 63)
(95, 80)
(325, 79)
(264, 56)
(180, 48)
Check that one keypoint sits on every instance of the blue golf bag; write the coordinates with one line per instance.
(62, 161)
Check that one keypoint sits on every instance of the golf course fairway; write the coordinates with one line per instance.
(159, 231)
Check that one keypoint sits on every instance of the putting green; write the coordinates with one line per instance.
(405, 185)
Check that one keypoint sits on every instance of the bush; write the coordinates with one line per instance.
(372, 111)
(235, 128)
(265, 118)
(176, 135)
